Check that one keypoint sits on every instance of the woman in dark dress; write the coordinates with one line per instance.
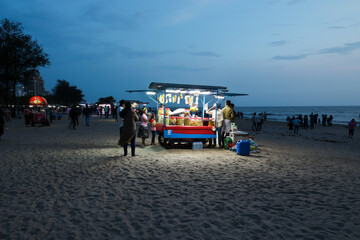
(128, 133)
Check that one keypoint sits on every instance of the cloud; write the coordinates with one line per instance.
(291, 2)
(337, 27)
(290, 57)
(103, 16)
(204, 54)
(295, 2)
(185, 69)
(346, 49)
(278, 43)
(190, 10)
(129, 53)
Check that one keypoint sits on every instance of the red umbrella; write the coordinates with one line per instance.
(38, 101)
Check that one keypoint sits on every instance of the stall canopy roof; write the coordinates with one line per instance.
(234, 94)
(136, 101)
(164, 86)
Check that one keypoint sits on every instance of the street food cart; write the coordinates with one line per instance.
(38, 116)
(189, 123)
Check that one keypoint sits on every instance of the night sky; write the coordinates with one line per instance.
(280, 52)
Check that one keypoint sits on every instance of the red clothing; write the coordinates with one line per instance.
(153, 124)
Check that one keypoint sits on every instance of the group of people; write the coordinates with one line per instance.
(127, 118)
(257, 121)
(300, 121)
(224, 118)
(312, 120)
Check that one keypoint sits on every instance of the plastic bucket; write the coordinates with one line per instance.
(243, 147)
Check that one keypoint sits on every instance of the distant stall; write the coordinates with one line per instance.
(38, 115)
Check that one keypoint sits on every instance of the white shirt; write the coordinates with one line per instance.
(120, 120)
(219, 117)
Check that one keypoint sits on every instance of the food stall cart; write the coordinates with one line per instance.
(187, 124)
(38, 116)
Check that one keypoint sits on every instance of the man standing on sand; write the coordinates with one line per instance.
(232, 106)
(128, 134)
(120, 119)
(297, 122)
(73, 116)
(253, 120)
(351, 126)
(258, 122)
(86, 113)
(217, 112)
(228, 117)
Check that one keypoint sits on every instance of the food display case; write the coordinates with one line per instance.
(184, 124)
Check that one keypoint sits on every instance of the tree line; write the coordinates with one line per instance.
(19, 54)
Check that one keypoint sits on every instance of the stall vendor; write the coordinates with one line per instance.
(219, 120)
(228, 118)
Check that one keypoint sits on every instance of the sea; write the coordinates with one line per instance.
(342, 114)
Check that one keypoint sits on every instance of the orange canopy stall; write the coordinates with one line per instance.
(37, 101)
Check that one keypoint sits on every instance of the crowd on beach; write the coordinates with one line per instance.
(306, 121)
(225, 116)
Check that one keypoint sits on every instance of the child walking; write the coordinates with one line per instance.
(153, 128)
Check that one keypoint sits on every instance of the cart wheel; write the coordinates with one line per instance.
(161, 139)
(207, 142)
(167, 143)
(164, 141)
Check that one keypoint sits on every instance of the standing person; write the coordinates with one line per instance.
(297, 123)
(86, 113)
(143, 130)
(120, 119)
(228, 117)
(27, 116)
(116, 113)
(153, 128)
(351, 127)
(291, 123)
(312, 120)
(106, 109)
(113, 111)
(324, 119)
(305, 122)
(288, 118)
(128, 133)
(2, 123)
(253, 121)
(262, 119)
(73, 116)
(232, 106)
(7, 114)
(219, 121)
(329, 120)
(100, 111)
(258, 122)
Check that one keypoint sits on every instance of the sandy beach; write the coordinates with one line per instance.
(59, 183)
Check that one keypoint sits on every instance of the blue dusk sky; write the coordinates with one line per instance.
(280, 52)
